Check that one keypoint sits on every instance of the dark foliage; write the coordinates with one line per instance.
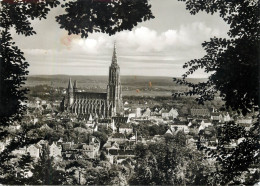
(45, 172)
(169, 162)
(233, 62)
(233, 161)
(13, 67)
(12, 77)
(234, 66)
(88, 16)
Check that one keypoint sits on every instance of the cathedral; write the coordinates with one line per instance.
(101, 105)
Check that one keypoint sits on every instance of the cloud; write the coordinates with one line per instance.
(142, 40)
(142, 51)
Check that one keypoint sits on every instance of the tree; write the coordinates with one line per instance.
(169, 162)
(110, 16)
(102, 137)
(81, 17)
(233, 62)
(18, 171)
(45, 172)
(14, 13)
(13, 67)
(234, 66)
(233, 162)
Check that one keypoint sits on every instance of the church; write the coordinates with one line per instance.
(101, 105)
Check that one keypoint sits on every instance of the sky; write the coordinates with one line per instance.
(158, 47)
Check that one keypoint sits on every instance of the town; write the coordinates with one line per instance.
(88, 137)
(74, 137)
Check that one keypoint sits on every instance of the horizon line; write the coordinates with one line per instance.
(120, 76)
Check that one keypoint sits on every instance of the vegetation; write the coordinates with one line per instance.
(233, 62)
(234, 67)
(170, 162)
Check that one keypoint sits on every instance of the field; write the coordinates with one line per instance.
(131, 85)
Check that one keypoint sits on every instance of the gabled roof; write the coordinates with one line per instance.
(169, 131)
(45, 126)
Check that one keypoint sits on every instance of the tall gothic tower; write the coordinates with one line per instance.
(70, 93)
(114, 90)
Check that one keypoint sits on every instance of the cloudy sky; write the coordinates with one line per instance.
(158, 47)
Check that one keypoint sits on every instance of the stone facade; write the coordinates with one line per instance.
(102, 105)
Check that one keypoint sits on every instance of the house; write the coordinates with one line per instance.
(138, 112)
(125, 128)
(163, 110)
(131, 115)
(216, 117)
(227, 118)
(200, 112)
(111, 145)
(55, 150)
(45, 127)
(244, 120)
(34, 150)
(173, 113)
(105, 122)
(180, 127)
(170, 131)
(78, 151)
(2, 146)
(92, 148)
(117, 156)
(146, 113)
(204, 124)
(165, 115)
(117, 137)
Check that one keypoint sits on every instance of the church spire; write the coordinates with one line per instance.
(114, 58)
(75, 86)
(70, 84)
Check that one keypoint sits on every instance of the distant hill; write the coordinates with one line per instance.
(83, 81)
(146, 85)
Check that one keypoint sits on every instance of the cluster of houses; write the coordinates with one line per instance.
(61, 150)
(199, 124)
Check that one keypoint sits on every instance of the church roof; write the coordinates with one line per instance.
(90, 95)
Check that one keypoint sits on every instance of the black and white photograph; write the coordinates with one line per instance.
(129, 92)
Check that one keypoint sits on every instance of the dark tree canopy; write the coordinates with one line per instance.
(13, 67)
(111, 16)
(233, 62)
(12, 76)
